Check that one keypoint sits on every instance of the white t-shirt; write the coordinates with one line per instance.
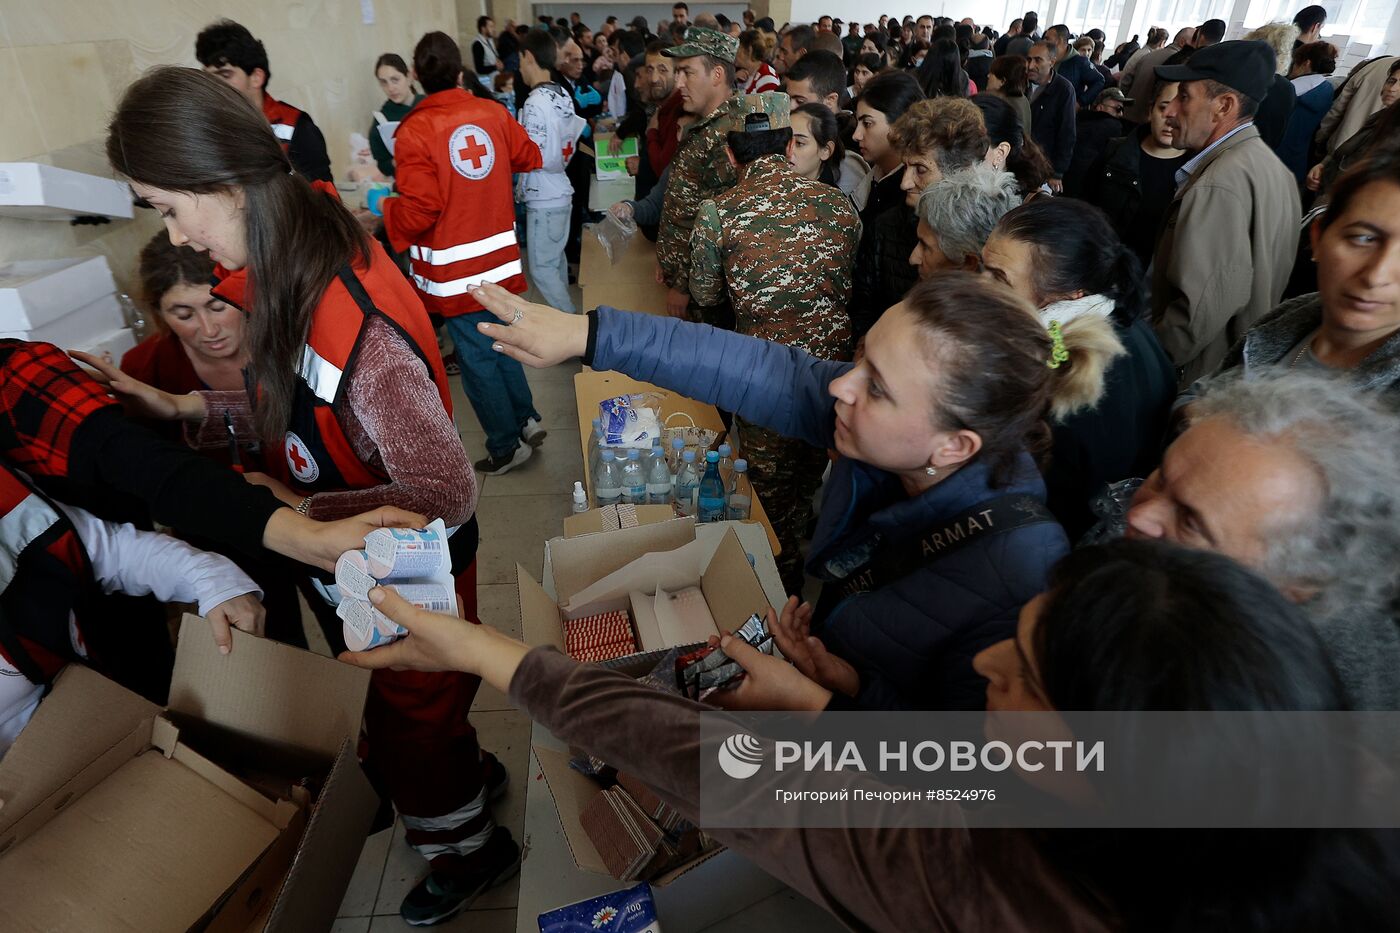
(127, 560)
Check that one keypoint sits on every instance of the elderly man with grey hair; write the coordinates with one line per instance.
(956, 215)
(1298, 477)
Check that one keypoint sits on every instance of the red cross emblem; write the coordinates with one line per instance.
(472, 151)
(568, 151)
(300, 461)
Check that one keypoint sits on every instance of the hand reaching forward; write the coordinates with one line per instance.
(793, 635)
(536, 335)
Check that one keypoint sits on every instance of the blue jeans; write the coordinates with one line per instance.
(495, 384)
(546, 235)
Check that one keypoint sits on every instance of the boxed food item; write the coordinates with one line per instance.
(628, 911)
(240, 806)
(675, 589)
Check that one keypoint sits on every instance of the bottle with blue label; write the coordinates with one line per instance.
(687, 483)
(607, 482)
(739, 500)
(659, 478)
(710, 496)
(634, 479)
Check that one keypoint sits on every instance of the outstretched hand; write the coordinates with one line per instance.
(793, 635)
(769, 683)
(536, 335)
(138, 398)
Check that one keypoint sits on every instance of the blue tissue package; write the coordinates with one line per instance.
(629, 911)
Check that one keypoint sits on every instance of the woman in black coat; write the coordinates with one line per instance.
(1063, 256)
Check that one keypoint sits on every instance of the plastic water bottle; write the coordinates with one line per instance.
(607, 482)
(673, 459)
(593, 443)
(596, 446)
(687, 483)
(710, 496)
(726, 463)
(634, 479)
(580, 497)
(740, 495)
(659, 478)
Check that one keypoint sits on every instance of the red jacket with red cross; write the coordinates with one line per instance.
(455, 212)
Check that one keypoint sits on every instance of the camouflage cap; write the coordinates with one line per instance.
(771, 110)
(702, 41)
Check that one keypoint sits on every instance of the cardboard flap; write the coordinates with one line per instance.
(577, 562)
(539, 616)
(730, 586)
(266, 691)
(670, 570)
(591, 522)
(571, 792)
(83, 718)
(329, 848)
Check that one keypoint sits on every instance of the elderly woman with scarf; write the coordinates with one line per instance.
(1064, 257)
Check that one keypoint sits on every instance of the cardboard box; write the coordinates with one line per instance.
(597, 520)
(663, 554)
(241, 806)
(34, 292)
(35, 191)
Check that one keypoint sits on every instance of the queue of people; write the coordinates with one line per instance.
(930, 271)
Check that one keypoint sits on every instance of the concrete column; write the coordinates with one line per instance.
(779, 10)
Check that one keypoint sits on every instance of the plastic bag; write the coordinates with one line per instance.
(615, 235)
(1110, 507)
(628, 422)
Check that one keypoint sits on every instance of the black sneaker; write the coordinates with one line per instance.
(442, 895)
(451, 366)
(495, 466)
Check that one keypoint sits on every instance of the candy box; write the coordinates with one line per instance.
(627, 911)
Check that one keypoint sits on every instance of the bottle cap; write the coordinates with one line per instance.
(688, 456)
(634, 454)
(578, 490)
(712, 456)
(609, 455)
(740, 465)
(725, 450)
(677, 442)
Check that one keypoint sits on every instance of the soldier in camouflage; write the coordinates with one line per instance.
(699, 169)
(779, 249)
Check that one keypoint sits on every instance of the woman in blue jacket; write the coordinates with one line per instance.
(933, 532)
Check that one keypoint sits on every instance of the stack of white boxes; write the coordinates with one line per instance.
(71, 303)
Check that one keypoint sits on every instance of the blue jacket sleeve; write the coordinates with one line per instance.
(777, 387)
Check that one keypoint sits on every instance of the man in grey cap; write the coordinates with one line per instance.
(699, 169)
(1230, 236)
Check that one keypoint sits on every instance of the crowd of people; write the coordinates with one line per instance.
(1139, 311)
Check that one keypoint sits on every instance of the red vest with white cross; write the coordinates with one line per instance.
(454, 213)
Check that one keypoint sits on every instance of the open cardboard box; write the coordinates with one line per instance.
(241, 806)
(666, 554)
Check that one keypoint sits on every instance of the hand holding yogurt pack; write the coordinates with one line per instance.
(413, 562)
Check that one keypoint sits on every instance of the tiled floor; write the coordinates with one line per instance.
(517, 513)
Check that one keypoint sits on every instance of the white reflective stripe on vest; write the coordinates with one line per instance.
(451, 254)
(459, 286)
(283, 131)
(320, 374)
(19, 528)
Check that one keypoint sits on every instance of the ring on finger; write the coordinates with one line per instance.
(519, 316)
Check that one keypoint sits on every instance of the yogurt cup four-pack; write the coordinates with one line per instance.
(413, 562)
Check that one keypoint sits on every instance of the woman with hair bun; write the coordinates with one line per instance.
(755, 57)
(1013, 149)
(1116, 383)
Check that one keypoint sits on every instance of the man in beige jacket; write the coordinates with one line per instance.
(1357, 98)
(1231, 234)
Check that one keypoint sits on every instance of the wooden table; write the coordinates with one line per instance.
(591, 387)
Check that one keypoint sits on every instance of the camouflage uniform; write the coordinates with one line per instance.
(699, 171)
(780, 248)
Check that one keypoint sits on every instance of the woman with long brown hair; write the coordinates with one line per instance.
(350, 402)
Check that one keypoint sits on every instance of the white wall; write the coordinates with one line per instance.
(595, 13)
